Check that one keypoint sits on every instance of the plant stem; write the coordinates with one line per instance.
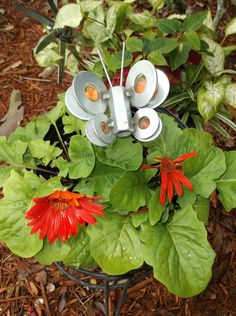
(61, 140)
(29, 167)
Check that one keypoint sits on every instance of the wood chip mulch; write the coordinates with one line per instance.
(31, 289)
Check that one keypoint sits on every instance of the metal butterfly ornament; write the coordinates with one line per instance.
(146, 88)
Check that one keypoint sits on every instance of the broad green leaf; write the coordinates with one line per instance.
(124, 153)
(35, 129)
(208, 22)
(231, 27)
(131, 191)
(134, 44)
(12, 151)
(194, 21)
(179, 56)
(97, 32)
(115, 244)
(79, 254)
(73, 124)
(138, 219)
(18, 193)
(209, 98)
(168, 26)
(193, 39)
(111, 20)
(215, 63)
(202, 208)
(179, 252)
(230, 95)
(52, 252)
(155, 208)
(157, 58)
(188, 198)
(43, 150)
(89, 5)
(163, 45)
(144, 19)
(68, 15)
(49, 56)
(100, 181)
(113, 61)
(82, 157)
(58, 111)
(226, 185)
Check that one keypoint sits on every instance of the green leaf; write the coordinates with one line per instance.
(113, 61)
(49, 56)
(73, 124)
(155, 208)
(43, 150)
(179, 253)
(115, 244)
(12, 151)
(179, 56)
(144, 19)
(229, 49)
(194, 21)
(227, 183)
(163, 45)
(157, 4)
(131, 191)
(124, 153)
(68, 15)
(18, 193)
(230, 95)
(214, 63)
(58, 111)
(97, 32)
(89, 5)
(231, 27)
(168, 26)
(193, 39)
(157, 58)
(202, 208)
(100, 181)
(134, 44)
(45, 41)
(52, 252)
(209, 98)
(82, 157)
(79, 254)
(111, 20)
(138, 219)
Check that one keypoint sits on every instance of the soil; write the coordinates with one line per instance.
(29, 288)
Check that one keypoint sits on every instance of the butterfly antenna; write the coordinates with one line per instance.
(104, 68)
(122, 63)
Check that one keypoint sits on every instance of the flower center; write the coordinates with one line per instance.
(59, 206)
(168, 164)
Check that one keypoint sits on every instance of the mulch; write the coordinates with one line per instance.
(29, 288)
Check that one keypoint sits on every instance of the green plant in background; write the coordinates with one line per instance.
(51, 154)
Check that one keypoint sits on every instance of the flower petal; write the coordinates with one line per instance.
(170, 189)
(185, 156)
(179, 174)
(177, 184)
(86, 216)
(164, 178)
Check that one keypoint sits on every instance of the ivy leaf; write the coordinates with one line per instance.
(44, 151)
(100, 181)
(131, 191)
(231, 27)
(230, 95)
(194, 21)
(163, 45)
(134, 44)
(227, 183)
(168, 26)
(123, 154)
(157, 58)
(115, 244)
(193, 39)
(179, 55)
(52, 252)
(49, 56)
(209, 98)
(68, 15)
(179, 253)
(18, 193)
(80, 254)
(214, 63)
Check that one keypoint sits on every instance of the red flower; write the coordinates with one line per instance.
(171, 176)
(59, 213)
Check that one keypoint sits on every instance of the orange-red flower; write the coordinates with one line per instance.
(59, 213)
(172, 178)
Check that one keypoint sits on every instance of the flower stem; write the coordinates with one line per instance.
(61, 140)
(29, 167)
